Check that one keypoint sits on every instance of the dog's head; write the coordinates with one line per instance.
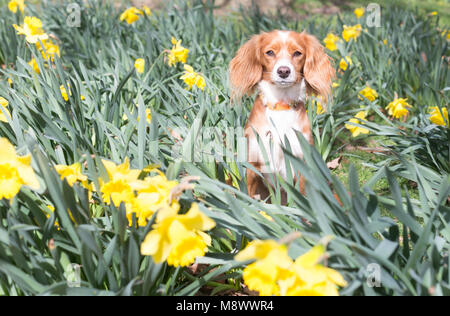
(283, 58)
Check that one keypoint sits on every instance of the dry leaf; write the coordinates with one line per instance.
(334, 163)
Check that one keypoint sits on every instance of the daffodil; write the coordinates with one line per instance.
(32, 29)
(10, 82)
(398, 108)
(351, 32)
(15, 171)
(48, 50)
(13, 5)
(121, 184)
(178, 53)
(72, 174)
(438, 117)
(369, 93)
(153, 194)
(345, 62)
(192, 78)
(272, 265)
(330, 41)
(309, 278)
(4, 115)
(147, 10)
(131, 15)
(359, 12)
(65, 95)
(178, 239)
(33, 64)
(139, 64)
(319, 108)
(359, 118)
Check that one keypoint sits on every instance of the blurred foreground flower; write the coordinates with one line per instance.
(179, 239)
(438, 117)
(359, 118)
(72, 174)
(275, 273)
(15, 171)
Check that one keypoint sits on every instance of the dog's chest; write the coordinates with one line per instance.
(280, 125)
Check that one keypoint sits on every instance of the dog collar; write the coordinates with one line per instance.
(281, 106)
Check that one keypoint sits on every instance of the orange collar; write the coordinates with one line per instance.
(281, 106)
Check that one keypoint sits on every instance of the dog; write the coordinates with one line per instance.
(284, 67)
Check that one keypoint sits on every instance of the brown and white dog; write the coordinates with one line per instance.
(284, 67)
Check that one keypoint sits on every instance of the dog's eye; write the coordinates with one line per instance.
(270, 53)
(297, 54)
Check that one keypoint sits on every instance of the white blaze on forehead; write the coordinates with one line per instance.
(284, 35)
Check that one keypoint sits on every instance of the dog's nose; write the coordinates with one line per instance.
(284, 72)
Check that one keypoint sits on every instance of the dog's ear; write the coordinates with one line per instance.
(318, 70)
(246, 69)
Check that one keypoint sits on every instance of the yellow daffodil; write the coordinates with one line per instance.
(32, 29)
(4, 115)
(369, 93)
(139, 64)
(351, 32)
(33, 64)
(179, 239)
(359, 12)
(359, 118)
(311, 278)
(66, 95)
(272, 265)
(122, 183)
(15, 171)
(398, 108)
(438, 117)
(153, 194)
(117, 191)
(266, 216)
(10, 82)
(72, 174)
(52, 209)
(131, 15)
(13, 5)
(192, 78)
(345, 62)
(433, 13)
(49, 50)
(147, 10)
(335, 84)
(178, 53)
(330, 41)
(275, 273)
